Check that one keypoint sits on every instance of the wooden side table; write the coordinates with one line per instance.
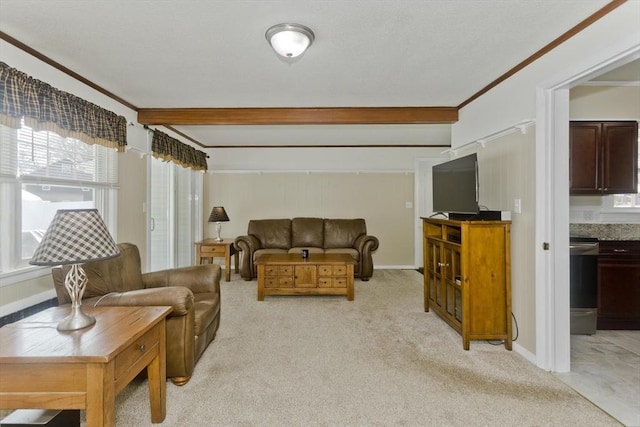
(208, 249)
(42, 367)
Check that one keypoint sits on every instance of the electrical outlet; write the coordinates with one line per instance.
(517, 205)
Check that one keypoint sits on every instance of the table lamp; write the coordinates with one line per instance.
(218, 215)
(73, 237)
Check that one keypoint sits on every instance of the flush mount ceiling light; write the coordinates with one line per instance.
(289, 40)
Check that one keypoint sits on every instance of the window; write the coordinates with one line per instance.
(629, 200)
(175, 213)
(41, 172)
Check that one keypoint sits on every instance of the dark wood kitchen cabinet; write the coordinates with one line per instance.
(603, 157)
(619, 285)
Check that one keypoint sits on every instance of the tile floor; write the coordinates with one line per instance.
(605, 368)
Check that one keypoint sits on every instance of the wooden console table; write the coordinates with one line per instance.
(208, 249)
(319, 274)
(44, 368)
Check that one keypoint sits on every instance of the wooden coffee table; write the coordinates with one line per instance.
(319, 274)
(43, 368)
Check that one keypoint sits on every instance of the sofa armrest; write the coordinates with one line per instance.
(248, 245)
(365, 244)
(177, 297)
(198, 279)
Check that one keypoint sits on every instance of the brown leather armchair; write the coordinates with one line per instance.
(192, 292)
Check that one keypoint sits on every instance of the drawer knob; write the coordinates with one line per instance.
(142, 347)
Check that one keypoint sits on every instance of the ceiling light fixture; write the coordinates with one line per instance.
(289, 40)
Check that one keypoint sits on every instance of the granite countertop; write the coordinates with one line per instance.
(607, 231)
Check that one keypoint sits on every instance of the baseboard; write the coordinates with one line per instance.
(394, 267)
(524, 353)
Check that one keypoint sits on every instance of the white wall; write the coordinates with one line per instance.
(318, 159)
(380, 198)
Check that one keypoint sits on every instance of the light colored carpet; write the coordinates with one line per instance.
(379, 360)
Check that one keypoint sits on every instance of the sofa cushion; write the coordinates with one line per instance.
(307, 232)
(272, 233)
(342, 233)
(311, 249)
(259, 252)
(353, 252)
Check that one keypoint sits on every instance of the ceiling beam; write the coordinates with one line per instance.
(297, 116)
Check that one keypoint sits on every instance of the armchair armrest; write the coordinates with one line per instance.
(177, 297)
(197, 278)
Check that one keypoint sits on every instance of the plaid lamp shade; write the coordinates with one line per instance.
(75, 236)
(218, 214)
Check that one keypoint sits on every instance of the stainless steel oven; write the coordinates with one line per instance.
(583, 252)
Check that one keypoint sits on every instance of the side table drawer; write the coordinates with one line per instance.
(138, 355)
(211, 251)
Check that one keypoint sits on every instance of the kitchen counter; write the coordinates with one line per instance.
(607, 231)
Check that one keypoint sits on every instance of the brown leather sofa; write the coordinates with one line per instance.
(318, 235)
(192, 292)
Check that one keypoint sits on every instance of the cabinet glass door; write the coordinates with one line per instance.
(433, 271)
(451, 269)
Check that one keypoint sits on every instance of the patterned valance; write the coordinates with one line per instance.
(170, 149)
(46, 108)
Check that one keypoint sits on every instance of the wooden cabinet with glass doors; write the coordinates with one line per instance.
(467, 277)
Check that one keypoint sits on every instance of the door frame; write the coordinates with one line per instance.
(552, 210)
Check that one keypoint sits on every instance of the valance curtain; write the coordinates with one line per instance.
(46, 108)
(170, 149)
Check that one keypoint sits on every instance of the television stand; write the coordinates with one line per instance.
(467, 277)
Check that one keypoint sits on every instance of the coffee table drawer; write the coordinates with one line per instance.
(332, 270)
(278, 270)
(278, 282)
(332, 282)
(339, 282)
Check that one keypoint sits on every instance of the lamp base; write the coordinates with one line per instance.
(218, 230)
(77, 319)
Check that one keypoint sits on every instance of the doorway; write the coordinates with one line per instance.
(552, 214)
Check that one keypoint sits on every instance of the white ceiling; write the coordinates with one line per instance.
(205, 53)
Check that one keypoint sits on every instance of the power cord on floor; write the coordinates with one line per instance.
(514, 339)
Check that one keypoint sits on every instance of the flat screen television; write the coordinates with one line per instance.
(455, 186)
